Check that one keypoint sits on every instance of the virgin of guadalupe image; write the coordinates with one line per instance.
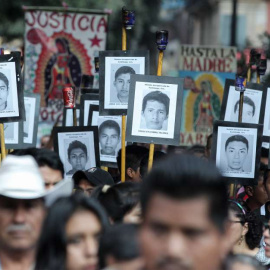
(63, 70)
(206, 108)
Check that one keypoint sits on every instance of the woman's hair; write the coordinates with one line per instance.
(255, 231)
(243, 259)
(51, 251)
(118, 200)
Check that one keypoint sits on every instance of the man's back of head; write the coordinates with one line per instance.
(184, 205)
(134, 155)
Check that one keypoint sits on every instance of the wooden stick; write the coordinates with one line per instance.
(124, 39)
(258, 77)
(74, 117)
(249, 73)
(123, 149)
(152, 146)
(2, 134)
(123, 139)
(104, 168)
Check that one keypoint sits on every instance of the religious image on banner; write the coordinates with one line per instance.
(59, 48)
(202, 100)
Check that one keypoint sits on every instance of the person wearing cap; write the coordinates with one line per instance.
(22, 210)
(86, 181)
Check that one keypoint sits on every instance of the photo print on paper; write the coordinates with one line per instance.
(253, 102)
(236, 149)
(154, 112)
(116, 69)
(11, 92)
(77, 148)
(109, 133)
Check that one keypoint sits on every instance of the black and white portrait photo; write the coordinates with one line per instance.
(8, 91)
(236, 149)
(30, 125)
(93, 115)
(252, 102)
(109, 133)
(117, 85)
(154, 111)
(77, 149)
(11, 91)
(116, 69)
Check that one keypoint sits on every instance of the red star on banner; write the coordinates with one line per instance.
(95, 41)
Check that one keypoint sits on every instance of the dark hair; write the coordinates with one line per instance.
(158, 155)
(134, 155)
(208, 143)
(157, 96)
(109, 124)
(119, 199)
(248, 101)
(264, 170)
(184, 177)
(236, 138)
(244, 259)
(76, 144)
(124, 70)
(4, 78)
(51, 251)
(264, 152)
(254, 235)
(43, 157)
(121, 242)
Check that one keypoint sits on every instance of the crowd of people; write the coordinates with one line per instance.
(179, 215)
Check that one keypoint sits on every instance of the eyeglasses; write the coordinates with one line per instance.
(239, 205)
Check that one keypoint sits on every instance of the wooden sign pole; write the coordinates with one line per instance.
(152, 146)
(2, 134)
(74, 117)
(123, 138)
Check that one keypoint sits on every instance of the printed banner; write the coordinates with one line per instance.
(206, 58)
(202, 100)
(59, 48)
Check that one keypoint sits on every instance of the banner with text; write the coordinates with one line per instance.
(59, 48)
(206, 58)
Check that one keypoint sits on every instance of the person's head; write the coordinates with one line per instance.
(134, 155)
(155, 109)
(77, 155)
(119, 248)
(121, 201)
(22, 207)
(248, 109)
(109, 137)
(257, 195)
(50, 165)
(184, 208)
(4, 90)
(158, 155)
(70, 233)
(266, 179)
(196, 150)
(243, 262)
(208, 146)
(122, 81)
(236, 149)
(244, 227)
(264, 155)
(86, 181)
